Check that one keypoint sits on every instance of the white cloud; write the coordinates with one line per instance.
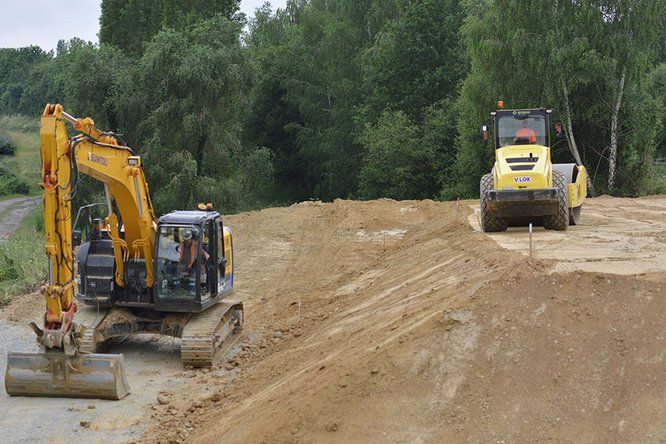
(249, 6)
(44, 22)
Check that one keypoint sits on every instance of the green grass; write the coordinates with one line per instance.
(24, 133)
(659, 179)
(23, 263)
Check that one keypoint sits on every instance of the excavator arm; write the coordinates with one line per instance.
(100, 156)
(59, 292)
(126, 189)
(61, 370)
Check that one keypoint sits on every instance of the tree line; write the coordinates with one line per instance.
(355, 98)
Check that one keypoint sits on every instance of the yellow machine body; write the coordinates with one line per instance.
(540, 176)
(524, 185)
(190, 252)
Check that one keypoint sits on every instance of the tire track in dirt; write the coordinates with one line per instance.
(436, 335)
(617, 236)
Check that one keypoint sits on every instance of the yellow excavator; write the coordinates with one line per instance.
(134, 273)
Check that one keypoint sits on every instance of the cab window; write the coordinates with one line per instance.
(527, 129)
(176, 263)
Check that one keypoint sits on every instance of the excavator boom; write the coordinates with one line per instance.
(60, 370)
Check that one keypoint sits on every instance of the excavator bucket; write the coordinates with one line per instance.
(54, 374)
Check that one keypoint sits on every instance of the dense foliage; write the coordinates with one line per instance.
(360, 99)
(12, 181)
(22, 267)
(6, 144)
(130, 24)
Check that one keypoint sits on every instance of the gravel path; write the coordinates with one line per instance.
(12, 212)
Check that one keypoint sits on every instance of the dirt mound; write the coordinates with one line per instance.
(396, 321)
(619, 236)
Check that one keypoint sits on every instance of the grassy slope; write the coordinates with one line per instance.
(23, 265)
(24, 132)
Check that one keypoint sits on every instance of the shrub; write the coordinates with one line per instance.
(11, 182)
(23, 265)
(6, 145)
(398, 163)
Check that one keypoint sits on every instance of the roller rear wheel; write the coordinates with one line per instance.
(560, 221)
(489, 224)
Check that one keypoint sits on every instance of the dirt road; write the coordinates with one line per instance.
(617, 236)
(153, 366)
(397, 321)
(13, 211)
(57, 420)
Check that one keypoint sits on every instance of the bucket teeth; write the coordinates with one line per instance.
(53, 374)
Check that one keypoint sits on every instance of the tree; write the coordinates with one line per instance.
(569, 55)
(193, 93)
(15, 68)
(629, 30)
(415, 66)
(658, 85)
(398, 164)
(307, 88)
(416, 60)
(130, 24)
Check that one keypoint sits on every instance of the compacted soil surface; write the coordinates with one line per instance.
(391, 321)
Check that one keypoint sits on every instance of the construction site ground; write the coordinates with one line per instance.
(391, 321)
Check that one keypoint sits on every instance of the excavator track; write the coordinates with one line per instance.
(88, 344)
(209, 335)
(89, 319)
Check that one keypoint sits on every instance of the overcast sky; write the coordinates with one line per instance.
(44, 22)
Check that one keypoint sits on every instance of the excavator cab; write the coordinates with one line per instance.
(192, 254)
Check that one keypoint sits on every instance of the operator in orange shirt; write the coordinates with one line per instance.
(525, 136)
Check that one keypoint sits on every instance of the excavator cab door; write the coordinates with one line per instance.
(206, 261)
(221, 259)
(177, 253)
